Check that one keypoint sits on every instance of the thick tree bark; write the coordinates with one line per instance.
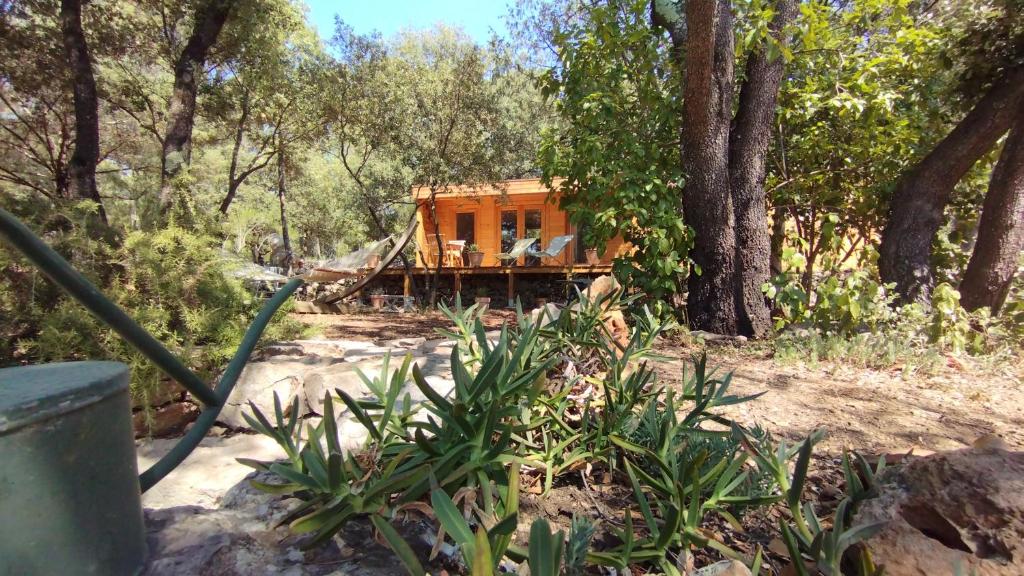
(748, 146)
(1001, 229)
(81, 179)
(916, 210)
(707, 201)
(281, 180)
(188, 71)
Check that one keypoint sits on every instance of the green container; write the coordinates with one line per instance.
(69, 487)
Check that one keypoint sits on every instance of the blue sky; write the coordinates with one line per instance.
(387, 17)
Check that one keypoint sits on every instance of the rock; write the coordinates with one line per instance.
(411, 343)
(601, 287)
(550, 311)
(208, 473)
(242, 537)
(166, 391)
(724, 568)
(953, 511)
(345, 376)
(260, 380)
(164, 421)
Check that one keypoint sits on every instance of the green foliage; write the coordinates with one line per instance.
(513, 408)
(614, 156)
(843, 304)
(172, 282)
(825, 546)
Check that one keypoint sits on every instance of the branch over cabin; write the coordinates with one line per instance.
(493, 218)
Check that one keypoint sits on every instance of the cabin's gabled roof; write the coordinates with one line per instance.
(508, 187)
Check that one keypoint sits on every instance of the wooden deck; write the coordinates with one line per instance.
(458, 272)
(505, 270)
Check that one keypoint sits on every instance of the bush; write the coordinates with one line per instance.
(170, 281)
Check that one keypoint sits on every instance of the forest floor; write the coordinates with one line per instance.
(869, 410)
(893, 410)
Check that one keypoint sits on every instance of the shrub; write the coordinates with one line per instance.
(517, 409)
(170, 281)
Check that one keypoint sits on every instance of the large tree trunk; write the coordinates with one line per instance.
(285, 236)
(916, 210)
(748, 145)
(188, 71)
(1001, 229)
(82, 166)
(707, 201)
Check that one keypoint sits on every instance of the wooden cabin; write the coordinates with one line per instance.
(493, 218)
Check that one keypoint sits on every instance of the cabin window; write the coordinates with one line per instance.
(509, 229)
(532, 224)
(465, 226)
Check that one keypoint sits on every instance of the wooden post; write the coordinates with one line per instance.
(406, 287)
(511, 288)
(458, 281)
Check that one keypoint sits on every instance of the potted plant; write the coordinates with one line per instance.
(482, 298)
(377, 298)
(474, 255)
(593, 258)
(590, 243)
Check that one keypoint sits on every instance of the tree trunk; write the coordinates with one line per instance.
(233, 180)
(748, 146)
(281, 169)
(707, 201)
(188, 71)
(916, 210)
(82, 166)
(1000, 230)
(435, 284)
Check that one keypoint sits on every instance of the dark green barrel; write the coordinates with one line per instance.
(69, 488)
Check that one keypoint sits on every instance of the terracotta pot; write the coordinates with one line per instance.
(593, 258)
(377, 301)
(476, 259)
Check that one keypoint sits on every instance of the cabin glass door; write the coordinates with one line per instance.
(532, 225)
(509, 230)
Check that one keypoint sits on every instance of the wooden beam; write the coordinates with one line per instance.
(511, 288)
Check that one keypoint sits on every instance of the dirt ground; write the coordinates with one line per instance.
(862, 409)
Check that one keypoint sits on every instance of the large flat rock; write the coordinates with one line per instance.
(208, 473)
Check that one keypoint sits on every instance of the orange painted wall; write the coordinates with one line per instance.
(487, 207)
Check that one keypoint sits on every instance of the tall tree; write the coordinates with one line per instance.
(82, 167)
(984, 42)
(723, 160)
(1000, 241)
(917, 206)
(188, 71)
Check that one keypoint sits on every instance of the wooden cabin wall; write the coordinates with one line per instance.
(487, 209)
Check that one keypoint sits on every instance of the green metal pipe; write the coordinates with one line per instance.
(191, 439)
(60, 271)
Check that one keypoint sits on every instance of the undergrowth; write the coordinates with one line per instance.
(171, 281)
(534, 403)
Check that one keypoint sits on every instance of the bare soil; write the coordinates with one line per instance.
(862, 409)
